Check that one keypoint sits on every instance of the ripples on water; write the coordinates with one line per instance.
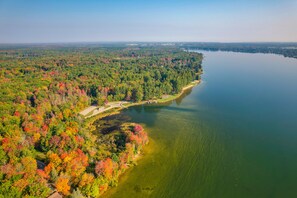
(234, 135)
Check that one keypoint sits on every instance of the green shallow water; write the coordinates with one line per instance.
(234, 135)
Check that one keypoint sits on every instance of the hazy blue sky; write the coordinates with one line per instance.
(150, 20)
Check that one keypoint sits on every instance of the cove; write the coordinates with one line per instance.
(234, 135)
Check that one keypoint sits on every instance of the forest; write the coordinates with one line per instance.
(46, 146)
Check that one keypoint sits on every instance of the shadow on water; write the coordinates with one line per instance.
(183, 96)
(154, 109)
(112, 123)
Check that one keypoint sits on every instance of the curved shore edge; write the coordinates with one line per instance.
(115, 107)
(143, 135)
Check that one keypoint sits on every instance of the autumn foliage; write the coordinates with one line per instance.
(45, 145)
(63, 186)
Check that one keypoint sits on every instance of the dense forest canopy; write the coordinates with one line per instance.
(45, 144)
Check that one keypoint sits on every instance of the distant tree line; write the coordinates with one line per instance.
(285, 49)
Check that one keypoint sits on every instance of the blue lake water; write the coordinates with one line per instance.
(234, 135)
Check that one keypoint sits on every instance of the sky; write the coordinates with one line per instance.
(48, 21)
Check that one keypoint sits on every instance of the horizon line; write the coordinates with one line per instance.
(98, 42)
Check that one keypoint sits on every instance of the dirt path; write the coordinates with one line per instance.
(94, 110)
(88, 110)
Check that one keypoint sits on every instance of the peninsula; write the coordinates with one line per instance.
(50, 96)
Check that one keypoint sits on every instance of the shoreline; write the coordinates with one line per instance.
(176, 96)
(120, 105)
(147, 148)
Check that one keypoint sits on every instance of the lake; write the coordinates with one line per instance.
(234, 135)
